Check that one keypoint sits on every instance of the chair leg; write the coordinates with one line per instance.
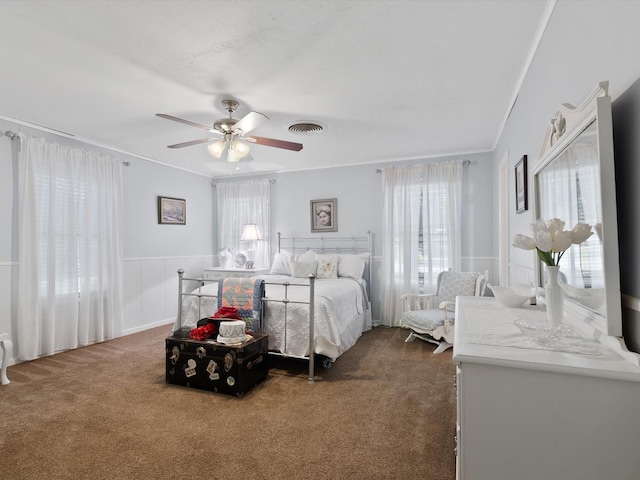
(7, 349)
(410, 338)
(442, 347)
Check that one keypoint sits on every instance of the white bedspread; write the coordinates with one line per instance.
(342, 313)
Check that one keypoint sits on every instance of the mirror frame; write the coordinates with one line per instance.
(565, 126)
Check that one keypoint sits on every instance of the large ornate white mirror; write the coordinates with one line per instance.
(574, 181)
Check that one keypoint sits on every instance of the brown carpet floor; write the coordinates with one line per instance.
(385, 410)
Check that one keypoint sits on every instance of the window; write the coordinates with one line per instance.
(74, 251)
(239, 203)
(70, 252)
(421, 230)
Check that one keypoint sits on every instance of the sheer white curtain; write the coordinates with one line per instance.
(70, 253)
(239, 203)
(421, 230)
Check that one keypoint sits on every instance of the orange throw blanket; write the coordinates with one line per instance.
(245, 295)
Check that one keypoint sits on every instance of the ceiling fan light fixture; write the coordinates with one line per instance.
(241, 149)
(233, 134)
(231, 156)
(217, 149)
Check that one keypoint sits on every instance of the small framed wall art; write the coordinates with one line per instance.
(324, 215)
(172, 211)
(521, 185)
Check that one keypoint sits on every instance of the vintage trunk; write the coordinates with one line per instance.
(208, 365)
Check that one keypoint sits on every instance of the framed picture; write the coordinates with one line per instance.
(172, 211)
(324, 215)
(521, 185)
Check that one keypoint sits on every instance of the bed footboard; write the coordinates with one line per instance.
(285, 300)
(194, 293)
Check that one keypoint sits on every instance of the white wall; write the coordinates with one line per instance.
(143, 181)
(584, 43)
(152, 252)
(358, 190)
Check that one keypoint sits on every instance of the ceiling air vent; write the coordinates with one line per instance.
(306, 128)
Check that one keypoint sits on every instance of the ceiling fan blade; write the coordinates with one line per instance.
(186, 122)
(249, 122)
(272, 142)
(192, 142)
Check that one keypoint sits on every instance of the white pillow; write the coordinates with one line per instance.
(327, 266)
(303, 269)
(308, 256)
(352, 265)
(282, 264)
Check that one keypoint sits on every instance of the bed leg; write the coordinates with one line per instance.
(312, 378)
(312, 355)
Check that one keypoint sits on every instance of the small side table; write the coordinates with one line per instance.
(217, 273)
(7, 351)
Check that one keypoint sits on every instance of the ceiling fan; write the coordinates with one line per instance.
(230, 134)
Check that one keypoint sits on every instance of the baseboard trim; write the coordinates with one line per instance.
(148, 326)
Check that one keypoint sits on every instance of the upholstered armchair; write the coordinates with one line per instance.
(430, 316)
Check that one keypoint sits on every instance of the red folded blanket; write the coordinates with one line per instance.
(227, 312)
(204, 332)
(211, 328)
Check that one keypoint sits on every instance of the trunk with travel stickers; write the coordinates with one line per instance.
(208, 365)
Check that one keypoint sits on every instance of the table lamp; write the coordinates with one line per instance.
(250, 234)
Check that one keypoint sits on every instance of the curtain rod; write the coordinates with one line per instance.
(214, 184)
(465, 163)
(13, 136)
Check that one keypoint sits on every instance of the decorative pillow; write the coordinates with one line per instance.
(327, 266)
(282, 263)
(303, 269)
(351, 265)
(308, 256)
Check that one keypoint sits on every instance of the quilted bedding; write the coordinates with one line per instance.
(342, 313)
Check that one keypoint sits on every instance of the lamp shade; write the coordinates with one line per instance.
(250, 232)
(217, 148)
(241, 149)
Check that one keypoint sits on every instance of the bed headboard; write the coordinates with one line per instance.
(328, 245)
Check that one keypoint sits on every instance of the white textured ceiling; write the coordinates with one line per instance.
(390, 80)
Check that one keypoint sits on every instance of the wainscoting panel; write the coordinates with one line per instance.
(521, 275)
(150, 292)
(8, 277)
(151, 289)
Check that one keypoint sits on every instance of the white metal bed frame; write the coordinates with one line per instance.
(321, 245)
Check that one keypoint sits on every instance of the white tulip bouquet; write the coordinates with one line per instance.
(550, 240)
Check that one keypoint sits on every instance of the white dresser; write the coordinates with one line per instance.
(218, 272)
(531, 414)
